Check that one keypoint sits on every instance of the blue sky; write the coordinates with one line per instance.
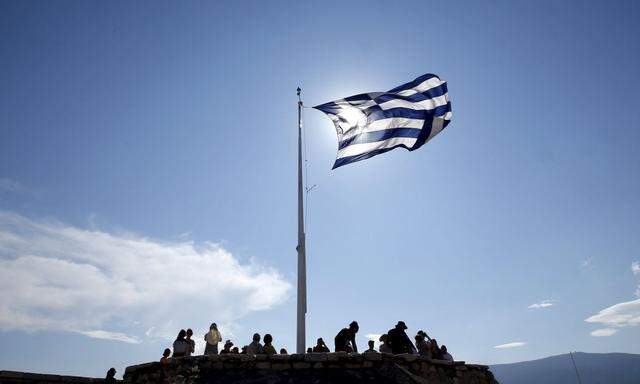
(147, 177)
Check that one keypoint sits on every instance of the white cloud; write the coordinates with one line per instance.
(587, 263)
(373, 336)
(626, 314)
(603, 332)
(59, 277)
(542, 304)
(514, 344)
(635, 268)
(618, 315)
(106, 335)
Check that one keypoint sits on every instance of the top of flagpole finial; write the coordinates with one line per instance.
(299, 91)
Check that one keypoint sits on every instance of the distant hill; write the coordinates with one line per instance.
(594, 368)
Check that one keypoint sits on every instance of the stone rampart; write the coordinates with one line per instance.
(315, 368)
(13, 377)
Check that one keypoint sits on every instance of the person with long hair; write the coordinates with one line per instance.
(212, 338)
(180, 346)
(111, 376)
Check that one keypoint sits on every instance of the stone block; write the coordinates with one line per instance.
(372, 356)
(301, 365)
(315, 357)
(263, 365)
(336, 356)
(279, 357)
(296, 357)
(280, 366)
(318, 365)
(407, 357)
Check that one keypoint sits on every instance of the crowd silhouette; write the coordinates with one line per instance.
(395, 341)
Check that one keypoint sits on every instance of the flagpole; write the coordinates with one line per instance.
(302, 259)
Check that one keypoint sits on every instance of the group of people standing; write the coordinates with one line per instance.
(395, 341)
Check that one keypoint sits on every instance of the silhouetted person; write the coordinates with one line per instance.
(283, 351)
(444, 354)
(164, 360)
(435, 350)
(371, 349)
(268, 349)
(255, 347)
(400, 342)
(422, 345)
(111, 376)
(212, 338)
(309, 350)
(191, 342)
(321, 347)
(385, 347)
(345, 340)
(243, 350)
(227, 347)
(235, 351)
(180, 346)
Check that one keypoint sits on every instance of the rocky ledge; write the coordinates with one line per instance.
(315, 368)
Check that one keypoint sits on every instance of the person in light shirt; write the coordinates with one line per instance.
(255, 348)
(212, 338)
(180, 346)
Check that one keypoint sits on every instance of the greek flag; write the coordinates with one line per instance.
(373, 123)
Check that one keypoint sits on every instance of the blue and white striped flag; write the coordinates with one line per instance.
(373, 123)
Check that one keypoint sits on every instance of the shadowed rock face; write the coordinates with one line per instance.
(316, 368)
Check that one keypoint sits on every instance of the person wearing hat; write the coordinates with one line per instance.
(345, 340)
(399, 340)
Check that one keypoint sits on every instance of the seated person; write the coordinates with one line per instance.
(255, 347)
(227, 347)
(268, 349)
(384, 346)
(345, 340)
(435, 350)
(164, 360)
(423, 346)
(320, 347)
(400, 342)
(283, 351)
(444, 354)
(371, 349)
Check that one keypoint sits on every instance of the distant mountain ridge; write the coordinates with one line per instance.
(594, 368)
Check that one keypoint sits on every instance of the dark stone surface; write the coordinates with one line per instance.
(330, 368)
(12, 377)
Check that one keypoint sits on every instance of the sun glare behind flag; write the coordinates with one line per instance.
(407, 116)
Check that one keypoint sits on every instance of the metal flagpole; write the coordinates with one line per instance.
(302, 259)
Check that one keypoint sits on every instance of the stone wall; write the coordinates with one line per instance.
(314, 368)
(12, 377)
